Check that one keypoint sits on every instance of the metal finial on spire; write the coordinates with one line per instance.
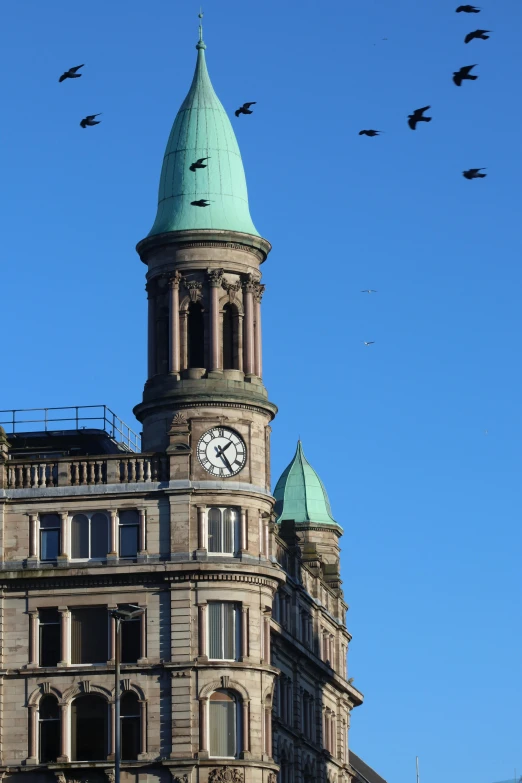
(200, 44)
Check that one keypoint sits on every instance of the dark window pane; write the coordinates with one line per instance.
(49, 544)
(99, 535)
(80, 536)
(129, 517)
(89, 729)
(50, 653)
(196, 335)
(228, 338)
(49, 740)
(129, 541)
(130, 641)
(215, 543)
(130, 725)
(50, 520)
(89, 635)
(49, 709)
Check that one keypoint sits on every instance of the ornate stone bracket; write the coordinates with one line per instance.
(180, 778)
(259, 290)
(250, 283)
(194, 288)
(226, 775)
(231, 289)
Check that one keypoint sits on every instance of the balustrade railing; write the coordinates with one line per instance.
(114, 469)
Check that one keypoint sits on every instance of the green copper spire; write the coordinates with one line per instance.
(202, 130)
(300, 494)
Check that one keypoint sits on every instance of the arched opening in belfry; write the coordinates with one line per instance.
(196, 336)
(230, 337)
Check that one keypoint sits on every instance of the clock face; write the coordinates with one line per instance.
(222, 452)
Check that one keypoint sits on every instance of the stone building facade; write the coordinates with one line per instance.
(237, 669)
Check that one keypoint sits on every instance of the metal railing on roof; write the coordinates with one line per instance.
(73, 417)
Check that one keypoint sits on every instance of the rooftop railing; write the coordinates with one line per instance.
(73, 417)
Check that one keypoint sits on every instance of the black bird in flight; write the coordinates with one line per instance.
(202, 202)
(370, 342)
(474, 174)
(89, 120)
(199, 164)
(245, 108)
(71, 73)
(477, 34)
(417, 116)
(468, 9)
(464, 73)
(369, 132)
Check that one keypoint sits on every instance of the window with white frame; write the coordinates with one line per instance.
(50, 529)
(224, 722)
(223, 630)
(129, 533)
(223, 530)
(90, 536)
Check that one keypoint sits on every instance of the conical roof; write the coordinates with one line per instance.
(300, 494)
(202, 130)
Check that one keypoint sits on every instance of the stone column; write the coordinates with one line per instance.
(258, 343)
(243, 532)
(143, 726)
(214, 279)
(113, 546)
(244, 632)
(261, 536)
(248, 324)
(143, 630)
(33, 536)
(143, 532)
(65, 633)
(33, 734)
(64, 749)
(202, 630)
(174, 333)
(203, 726)
(183, 339)
(202, 532)
(151, 345)
(266, 638)
(33, 639)
(65, 549)
(246, 727)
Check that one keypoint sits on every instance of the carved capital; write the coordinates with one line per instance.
(226, 775)
(175, 280)
(194, 289)
(249, 284)
(110, 774)
(180, 777)
(215, 277)
(259, 290)
(231, 288)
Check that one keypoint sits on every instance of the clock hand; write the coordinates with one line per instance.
(227, 463)
(219, 451)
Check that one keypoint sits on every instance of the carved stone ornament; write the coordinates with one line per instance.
(60, 777)
(178, 420)
(231, 289)
(180, 778)
(175, 280)
(215, 276)
(194, 289)
(46, 687)
(86, 685)
(259, 290)
(272, 777)
(226, 775)
(111, 775)
(249, 284)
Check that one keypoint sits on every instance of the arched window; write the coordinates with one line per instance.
(196, 336)
(89, 536)
(130, 726)
(222, 530)
(224, 724)
(230, 337)
(49, 729)
(89, 728)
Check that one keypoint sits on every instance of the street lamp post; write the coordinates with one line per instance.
(120, 616)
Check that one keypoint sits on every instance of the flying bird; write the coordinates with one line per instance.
(474, 174)
(202, 202)
(368, 291)
(468, 9)
(417, 116)
(199, 164)
(477, 34)
(369, 133)
(89, 120)
(245, 108)
(71, 73)
(464, 73)
(371, 342)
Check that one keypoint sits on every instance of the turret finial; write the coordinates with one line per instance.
(200, 44)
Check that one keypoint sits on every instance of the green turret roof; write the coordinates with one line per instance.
(300, 494)
(202, 129)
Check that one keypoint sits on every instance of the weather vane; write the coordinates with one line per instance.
(200, 15)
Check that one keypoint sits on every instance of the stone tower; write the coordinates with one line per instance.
(236, 670)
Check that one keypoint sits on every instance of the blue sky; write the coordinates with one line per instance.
(429, 502)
